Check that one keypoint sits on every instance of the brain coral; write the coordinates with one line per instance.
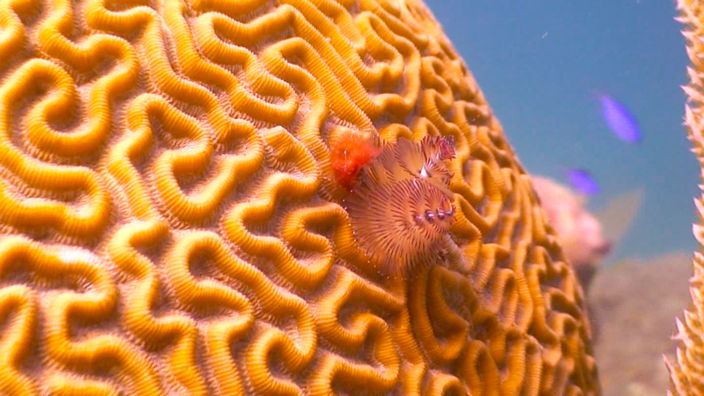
(171, 223)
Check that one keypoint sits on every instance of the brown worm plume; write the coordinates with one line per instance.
(403, 192)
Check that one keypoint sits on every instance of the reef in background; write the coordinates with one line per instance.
(170, 220)
(644, 295)
(579, 232)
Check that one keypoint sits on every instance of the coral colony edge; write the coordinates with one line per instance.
(275, 198)
(686, 376)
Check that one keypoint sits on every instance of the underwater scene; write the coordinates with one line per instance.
(351, 197)
(590, 96)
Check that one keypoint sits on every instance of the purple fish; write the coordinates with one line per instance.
(582, 181)
(619, 119)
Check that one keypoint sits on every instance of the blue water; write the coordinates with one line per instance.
(540, 64)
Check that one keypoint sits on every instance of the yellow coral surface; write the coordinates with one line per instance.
(170, 223)
(687, 370)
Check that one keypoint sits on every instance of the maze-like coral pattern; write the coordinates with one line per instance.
(170, 222)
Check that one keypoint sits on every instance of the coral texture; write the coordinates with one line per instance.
(687, 369)
(171, 221)
(579, 232)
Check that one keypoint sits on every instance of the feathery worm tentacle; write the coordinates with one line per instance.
(400, 204)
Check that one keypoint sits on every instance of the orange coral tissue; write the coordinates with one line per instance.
(348, 155)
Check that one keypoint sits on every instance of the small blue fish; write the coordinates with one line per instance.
(619, 119)
(582, 181)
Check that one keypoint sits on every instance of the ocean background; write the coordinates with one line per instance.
(540, 65)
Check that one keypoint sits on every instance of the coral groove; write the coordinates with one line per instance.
(172, 218)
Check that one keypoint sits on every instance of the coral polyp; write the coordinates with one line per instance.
(401, 207)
